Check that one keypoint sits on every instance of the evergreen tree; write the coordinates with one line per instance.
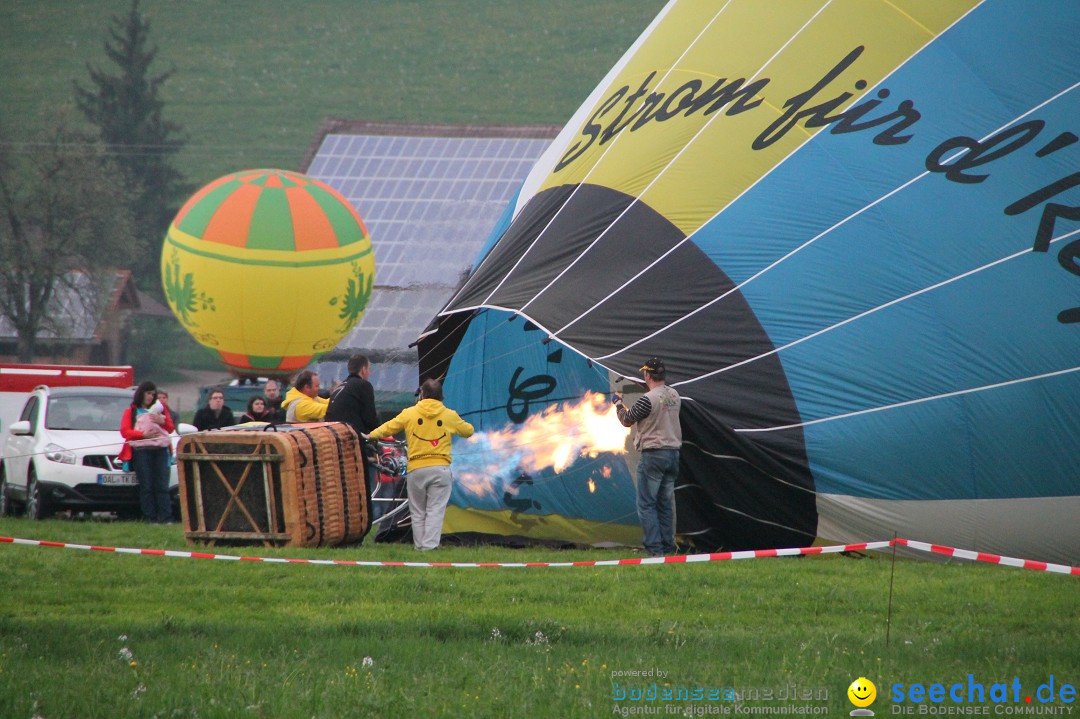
(127, 110)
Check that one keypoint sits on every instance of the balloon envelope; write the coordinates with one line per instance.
(850, 229)
(267, 268)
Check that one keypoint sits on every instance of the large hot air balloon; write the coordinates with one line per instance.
(850, 229)
(268, 268)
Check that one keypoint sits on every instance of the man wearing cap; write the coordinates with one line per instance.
(657, 434)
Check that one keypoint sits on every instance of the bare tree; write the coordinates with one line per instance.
(63, 214)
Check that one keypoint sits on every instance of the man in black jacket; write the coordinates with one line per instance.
(272, 392)
(215, 414)
(353, 402)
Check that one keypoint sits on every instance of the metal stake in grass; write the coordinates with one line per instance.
(892, 575)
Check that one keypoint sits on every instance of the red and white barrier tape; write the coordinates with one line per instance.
(991, 558)
(677, 559)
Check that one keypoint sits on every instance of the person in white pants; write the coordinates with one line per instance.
(429, 493)
(429, 427)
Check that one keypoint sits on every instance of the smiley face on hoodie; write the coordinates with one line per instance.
(420, 426)
(429, 428)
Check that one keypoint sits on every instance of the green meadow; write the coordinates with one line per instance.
(93, 634)
(253, 79)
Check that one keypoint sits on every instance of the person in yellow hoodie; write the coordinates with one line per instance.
(429, 427)
(303, 403)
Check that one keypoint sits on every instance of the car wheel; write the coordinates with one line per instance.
(6, 509)
(37, 505)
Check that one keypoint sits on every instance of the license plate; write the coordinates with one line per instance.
(121, 478)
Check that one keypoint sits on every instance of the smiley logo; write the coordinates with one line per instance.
(434, 442)
(862, 692)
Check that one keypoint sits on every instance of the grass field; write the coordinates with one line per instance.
(254, 79)
(89, 634)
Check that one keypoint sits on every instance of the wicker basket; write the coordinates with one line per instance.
(299, 485)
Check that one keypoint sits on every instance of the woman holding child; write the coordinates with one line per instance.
(146, 428)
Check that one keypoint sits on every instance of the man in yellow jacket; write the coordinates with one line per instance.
(429, 427)
(303, 403)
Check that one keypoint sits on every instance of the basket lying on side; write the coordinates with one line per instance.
(299, 485)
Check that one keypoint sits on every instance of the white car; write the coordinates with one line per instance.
(62, 455)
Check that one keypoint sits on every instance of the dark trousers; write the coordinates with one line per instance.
(152, 470)
(657, 471)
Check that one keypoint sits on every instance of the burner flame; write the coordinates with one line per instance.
(553, 438)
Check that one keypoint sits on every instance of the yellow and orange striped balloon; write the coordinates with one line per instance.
(268, 269)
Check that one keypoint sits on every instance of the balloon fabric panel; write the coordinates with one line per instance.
(271, 225)
(850, 229)
(311, 227)
(688, 119)
(196, 214)
(491, 485)
(280, 272)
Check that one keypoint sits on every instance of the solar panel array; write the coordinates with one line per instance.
(430, 201)
(385, 376)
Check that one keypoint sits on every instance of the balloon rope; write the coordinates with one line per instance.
(424, 356)
(774, 264)
(764, 521)
(566, 202)
(480, 336)
(1023, 253)
(737, 458)
(671, 162)
(822, 234)
(588, 174)
(908, 403)
(761, 272)
(597, 367)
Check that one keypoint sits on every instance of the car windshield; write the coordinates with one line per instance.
(86, 412)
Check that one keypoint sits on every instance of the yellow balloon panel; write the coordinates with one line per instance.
(257, 307)
(702, 98)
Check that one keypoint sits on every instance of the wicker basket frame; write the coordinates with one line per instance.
(296, 486)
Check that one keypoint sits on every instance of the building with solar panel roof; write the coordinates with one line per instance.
(430, 196)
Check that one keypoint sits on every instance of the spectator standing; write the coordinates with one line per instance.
(272, 390)
(303, 403)
(353, 402)
(215, 414)
(429, 427)
(144, 451)
(657, 434)
(256, 410)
